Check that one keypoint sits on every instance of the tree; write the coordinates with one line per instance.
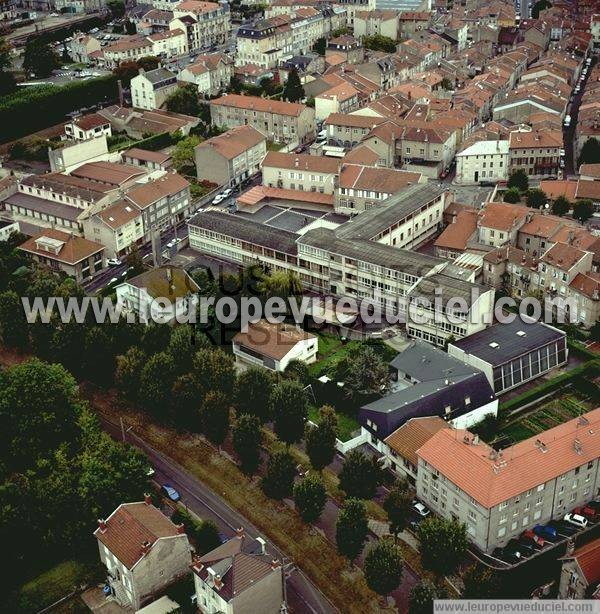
(184, 157)
(181, 349)
(185, 403)
(590, 152)
(512, 196)
(310, 497)
(253, 393)
(378, 42)
(207, 536)
(5, 55)
(290, 410)
(293, 90)
(247, 440)
(561, 205)
(422, 597)
(214, 371)
(366, 372)
(278, 481)
(130, 27)
(398, 506)
(540, 5)
(280, 283)
(481, 583)
(320, 46)
(536, 198)
(383, 567)
(129, 371)
(156, 382)
(351, 528)
(583, 210)
(148, 62)
(7, 83)
(320, 439)
(126, 71)
(184, 100)
(361, 475)
(595, 332)
(116, 8)
(214, 417)
(13, 323)
(156, 338)
(443, 544)
(518, 179)
(134, 261)
(447, 84)
(486, 428)
(297, 370)
(39, 58)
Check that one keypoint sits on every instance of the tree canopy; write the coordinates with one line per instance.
(536, 198)
(320, 439)
(310, 497)
(39, 58)
(443, 544)
(561, 205)
(583, 210)
(378, 42)
(590, 152)
(278, 481)
(519, 179)
(290, 410)
(351, 528)
(361, 475)
(383, 567)
(184, 100)
(293, 90)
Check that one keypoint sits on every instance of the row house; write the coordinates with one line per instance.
(349, 130)
(279, 121)
(345, 48)
(301, 172)
(211, 74)
(377, 23)
(537, 153)
(342, 98)
(204, 23)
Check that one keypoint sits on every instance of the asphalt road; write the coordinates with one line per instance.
(302, 595)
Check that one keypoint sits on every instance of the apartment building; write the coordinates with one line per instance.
(498, 495)
(300, 172)
(169, 43)
(210, 73)
(377, 22)
(127, 49)
(117, 227)
(535, 152)
(345, 49)
(342, 98)
(349, 130)
(484, 161)
(150, 90)
(498, 224)
(232, 157)
(279, 121)
(204, 23)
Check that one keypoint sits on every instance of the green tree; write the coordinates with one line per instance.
(320, 46)
(129, 371)
(247, 441)
(184, 100)
(281, 283)
(156, 382)
(447, 84)
(13, 324)
(561, 205)
(398, 506)
(293, 90)
(443, 544)
(366, 372)
(207, 536)
(486, 428)
(378, 42)
(214, 371)
(134, 261)
(536, 198)
(183, 155)
(519, 179)
(8, 83)
(310, 498)
(361, 475)
(278, 481)
(148, 62)
(156, 338)
(39, 58)
(253, 393)
(595, 332)
(126, 71)
(422, 597)
(185, 403)
(116, 8)
(5, 55)
(297, 370)
(590, 152)
(383, 567)
(320, 439)
(130, 27)
(181, 349)
(351, 528)
(512, 195)
(583, 210)
(214, 417)
(540, 5)
(290, 410)
(481, 583)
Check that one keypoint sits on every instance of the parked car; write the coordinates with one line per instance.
(170, 492)
(548, 533)
(171, 243)
(524, 550)
(566, 529)
(113, 262)
(227, 193)
(507, 556)
(420, 509)
(587, 512)
(594, 505)
(576, 519)
(218, 198)
(532, 539)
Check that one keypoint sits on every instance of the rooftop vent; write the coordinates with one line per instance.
(494, 345)
(521, 333)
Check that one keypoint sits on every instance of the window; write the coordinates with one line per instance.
(502, 519)
(541, 487)
(501, 531)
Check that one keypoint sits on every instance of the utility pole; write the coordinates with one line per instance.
(122, 428)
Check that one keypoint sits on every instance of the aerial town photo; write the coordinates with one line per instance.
(300, 306)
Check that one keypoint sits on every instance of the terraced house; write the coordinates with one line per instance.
(204, 23)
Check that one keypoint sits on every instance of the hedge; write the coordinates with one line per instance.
(30, 109)
(588, 371)
(578, 349)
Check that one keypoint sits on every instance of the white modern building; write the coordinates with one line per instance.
(485, 161)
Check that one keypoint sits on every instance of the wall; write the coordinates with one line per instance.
(71, 156)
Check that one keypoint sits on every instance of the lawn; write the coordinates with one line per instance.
(271, 146)
(52, 585)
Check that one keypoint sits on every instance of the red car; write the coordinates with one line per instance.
(534, 538)
(587, 512)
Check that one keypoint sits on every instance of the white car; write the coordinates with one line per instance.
(171, 244)
(218, 199)
(113, 262)
(577, 520)
(226, 193)
(113, 280)
(420, 509)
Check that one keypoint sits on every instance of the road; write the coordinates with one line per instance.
(302, 595)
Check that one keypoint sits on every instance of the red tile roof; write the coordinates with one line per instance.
(588, 557)
(74, 249)
(455, 236)
(263, 105)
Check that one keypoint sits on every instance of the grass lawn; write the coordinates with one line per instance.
(546, 415)
(271, 146)
(54, 584)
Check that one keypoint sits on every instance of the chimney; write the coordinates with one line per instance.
(102, 525)
(145, 547)
(181, 529)
(218, 583)
(148, 499)
(275, 564)
(240, 533)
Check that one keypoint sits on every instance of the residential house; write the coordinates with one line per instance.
(231, 157)
(498, 495)
(138, 123)
(300, 172)
(278, 121)
(150, 90)
(164, 294)
(580, 573)
(143, 551)
(484, 161)
(349, 49)
(455, 238)
(342, 98)
(82, 46)
(377, 22)
(87, 127)
(210, 73)
(204, 23)
(151, 160)
(273, 346)
(7, 227)
(62, 251)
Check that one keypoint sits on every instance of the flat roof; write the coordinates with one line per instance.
(503, 342)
